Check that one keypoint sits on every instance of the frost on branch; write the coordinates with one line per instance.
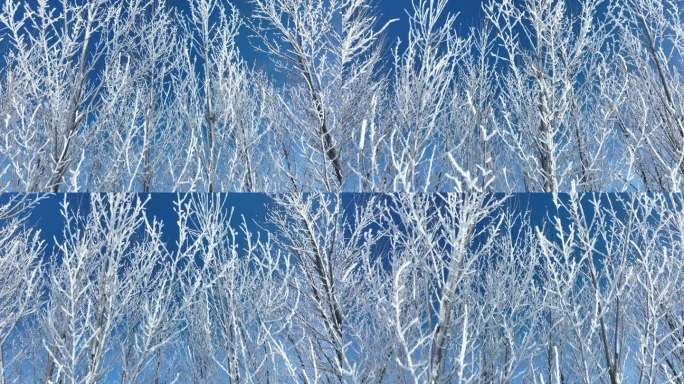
(424, 288)
(330, 95)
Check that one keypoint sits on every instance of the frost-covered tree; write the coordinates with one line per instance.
(146, 95)
(648, 102)
(328, 50)
(336, 336)
(20, 273)
(54, 83)
(441, 288)
(550, 89)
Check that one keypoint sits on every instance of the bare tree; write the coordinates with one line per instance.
(648, 107)
(548, 90)
(419, 288)
(330, 47)
(141, 95)
(134, 117)
(333, 326)
(21, 251)
(56, 50)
